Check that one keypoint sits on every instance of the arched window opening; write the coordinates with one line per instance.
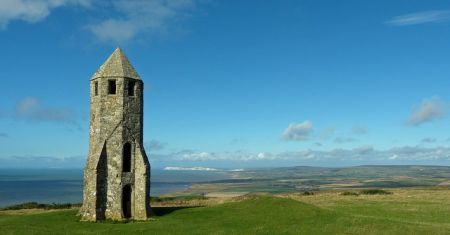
(127, 157)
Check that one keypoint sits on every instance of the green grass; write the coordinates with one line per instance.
(177, 198)
(35, 205)
(313, 214)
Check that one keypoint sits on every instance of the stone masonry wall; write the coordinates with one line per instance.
(115, 119)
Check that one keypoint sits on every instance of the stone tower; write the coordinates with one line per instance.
(117, 172)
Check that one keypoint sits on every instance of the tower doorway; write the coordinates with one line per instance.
(126, 201)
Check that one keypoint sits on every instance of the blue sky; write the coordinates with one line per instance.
(233, 84)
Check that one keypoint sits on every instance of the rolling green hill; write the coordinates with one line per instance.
(403, 212)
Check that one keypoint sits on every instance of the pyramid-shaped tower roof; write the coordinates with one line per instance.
(117, 65)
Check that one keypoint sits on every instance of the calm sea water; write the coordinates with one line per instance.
(66, 185)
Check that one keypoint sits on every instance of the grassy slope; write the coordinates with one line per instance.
(404, 212)
(429, 207)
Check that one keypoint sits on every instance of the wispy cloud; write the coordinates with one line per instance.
(339, 156)
(359, 155)
(154, 145)
(298, 131)
(202, 156)
(368, 154)
(199, 168)
(109, 21)
(32, 10)
(196, 168)
(31, 109)
(420, 18)
(429, 110)
(393, 157)
(133, 18)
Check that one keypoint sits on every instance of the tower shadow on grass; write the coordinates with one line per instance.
(161, 211)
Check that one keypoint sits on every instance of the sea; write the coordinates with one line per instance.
(66, 185)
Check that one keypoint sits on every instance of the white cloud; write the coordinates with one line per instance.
(32, 10)
(197, 156)
(420, 18)
(191, 155)
(429, 110)
(355, 156)
(237, 170)
(298, 131)
(111, 21)
(196, 168)
(136, 17)
(253, 157)
(368, 154)
(393, 157)
(361, 155)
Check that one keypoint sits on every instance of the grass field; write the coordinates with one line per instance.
(406, 211)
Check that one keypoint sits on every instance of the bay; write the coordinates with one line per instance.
(66, 185)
